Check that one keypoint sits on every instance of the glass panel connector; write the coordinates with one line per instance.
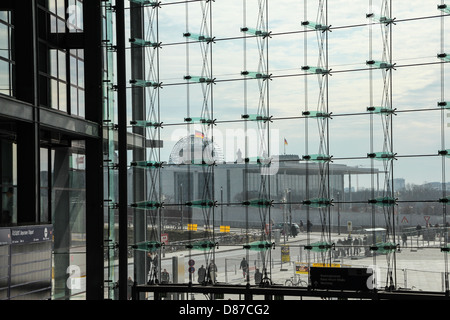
(259, 160)
(444, 8)
(316, 70)
(315, 26)
(316, 114)
(381, 110)
(320, 246)
(384, 247)
(199, 79)
(443, 105)
(381, 19)
(444, 57)
(256, 117)
(258, 203)
(256, 75)
(149, 246)
(144, 43)
(198, 37)
(382, 155)
(150, 205)
(255, 32)
(380, 64)
(259, 246)
(317, 157)
(201, 203)
(145, 123)
(383, 201)
(318, 202)
(145, 83)
(202, 245)
(200, 120)
(147, 164)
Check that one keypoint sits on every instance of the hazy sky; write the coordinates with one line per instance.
(418, 87)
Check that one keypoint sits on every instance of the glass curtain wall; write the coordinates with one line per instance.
(292, 136)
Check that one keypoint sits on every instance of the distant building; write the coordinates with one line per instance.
(399, 184)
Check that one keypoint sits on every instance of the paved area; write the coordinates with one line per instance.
(420, 266)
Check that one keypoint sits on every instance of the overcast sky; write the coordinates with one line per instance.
(418, 87)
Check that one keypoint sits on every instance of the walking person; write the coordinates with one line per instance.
(165, 277)
(356, 246)
(258, 277)
(244, 267)
(404, 239)
(201, 274)
(212, 273)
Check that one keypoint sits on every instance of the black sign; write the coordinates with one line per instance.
(31, 234)
(358, 279)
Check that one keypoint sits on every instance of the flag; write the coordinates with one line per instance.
(285, 142)
(199, 134)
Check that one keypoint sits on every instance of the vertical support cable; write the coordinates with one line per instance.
(110, 164)
(148, 168)
(307, 177)
(443, 160)
(206, 159)
(386, 65)
(321, 202)
(261, 35)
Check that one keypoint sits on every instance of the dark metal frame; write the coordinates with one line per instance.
(94, 170)
(272, 292)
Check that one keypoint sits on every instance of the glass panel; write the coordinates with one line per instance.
(75, 16)
(4, 41)
(73, 70)
(54, 94)
(53, 24)
(53, 63)
(5, 16)
(81, 105)
(60, 9)
(44, 175)
(61, 25)
(61, 65)
(74, 100)
(80, 73)
(62, 97)
(52, 6)
(5, 86)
